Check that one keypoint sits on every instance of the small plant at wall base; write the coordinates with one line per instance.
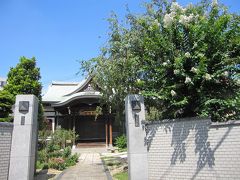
(121, 142)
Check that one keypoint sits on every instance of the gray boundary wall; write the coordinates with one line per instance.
(190, 148)
(5, 148)
(24, 138)
(193, 149)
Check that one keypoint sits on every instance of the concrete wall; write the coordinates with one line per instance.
(5, 148)
(193, 149)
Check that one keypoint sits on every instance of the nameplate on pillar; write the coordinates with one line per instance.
(136, 117)
(22, 120)
(23, 106)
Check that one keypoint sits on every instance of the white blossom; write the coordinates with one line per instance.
(191, 17)
(193, 69)
(201, 55)
(164, 64)
(231, 114)
(173, 93)
(188, 80)
(156, 22)
(187, 54)
(208, 76)
(175, 7)
(176, 71)
(150, 28)
(173, 14)
(167, 20)
(185, 20)
(214, 3)
(113, 90)
(238, 82)
(195, 45)
(225, 73)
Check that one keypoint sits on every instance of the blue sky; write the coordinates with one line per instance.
(59, 32)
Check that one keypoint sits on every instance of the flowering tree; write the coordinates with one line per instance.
(184, 60)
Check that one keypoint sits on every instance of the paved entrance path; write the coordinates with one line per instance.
(89, 167)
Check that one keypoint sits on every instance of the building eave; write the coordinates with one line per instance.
(80, 95)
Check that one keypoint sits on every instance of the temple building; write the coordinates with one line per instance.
(72, 105)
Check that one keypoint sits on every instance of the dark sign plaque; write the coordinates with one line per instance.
(23, 106)
(136, 105)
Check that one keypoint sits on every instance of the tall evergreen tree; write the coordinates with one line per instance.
(25, 79)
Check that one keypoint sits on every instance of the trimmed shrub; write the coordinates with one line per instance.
(71, 161)
(57, 163)
(66, 152)
(121, 142)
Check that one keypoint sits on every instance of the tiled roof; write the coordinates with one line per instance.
(62, 92)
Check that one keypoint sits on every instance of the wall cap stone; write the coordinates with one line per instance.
(175, 120)
(212, 124)
(227, 123)
(6, 124)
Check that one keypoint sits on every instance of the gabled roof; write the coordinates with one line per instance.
(80, 86)
(61, 93)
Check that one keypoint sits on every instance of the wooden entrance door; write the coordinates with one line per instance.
(90, 129)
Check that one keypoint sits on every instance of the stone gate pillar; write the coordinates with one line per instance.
(24, 138)
(137, 148)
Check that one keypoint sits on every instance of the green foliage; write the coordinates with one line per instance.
(57, 163)
(121, 142)
(6, 119)
(53, 153)
(24, 79)
(42, 138)
(42, 156)
(71, 161)
(40, 165)
(121, 176)
(184, 60)
(6, 101)
(66, 152)
(98, 112)
(153, 114)
(61, 135)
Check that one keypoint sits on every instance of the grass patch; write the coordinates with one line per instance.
(121, 176)
(113, 163)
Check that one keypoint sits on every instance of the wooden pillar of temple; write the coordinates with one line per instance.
(110, 132)
(106, 131)
(74, 130)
